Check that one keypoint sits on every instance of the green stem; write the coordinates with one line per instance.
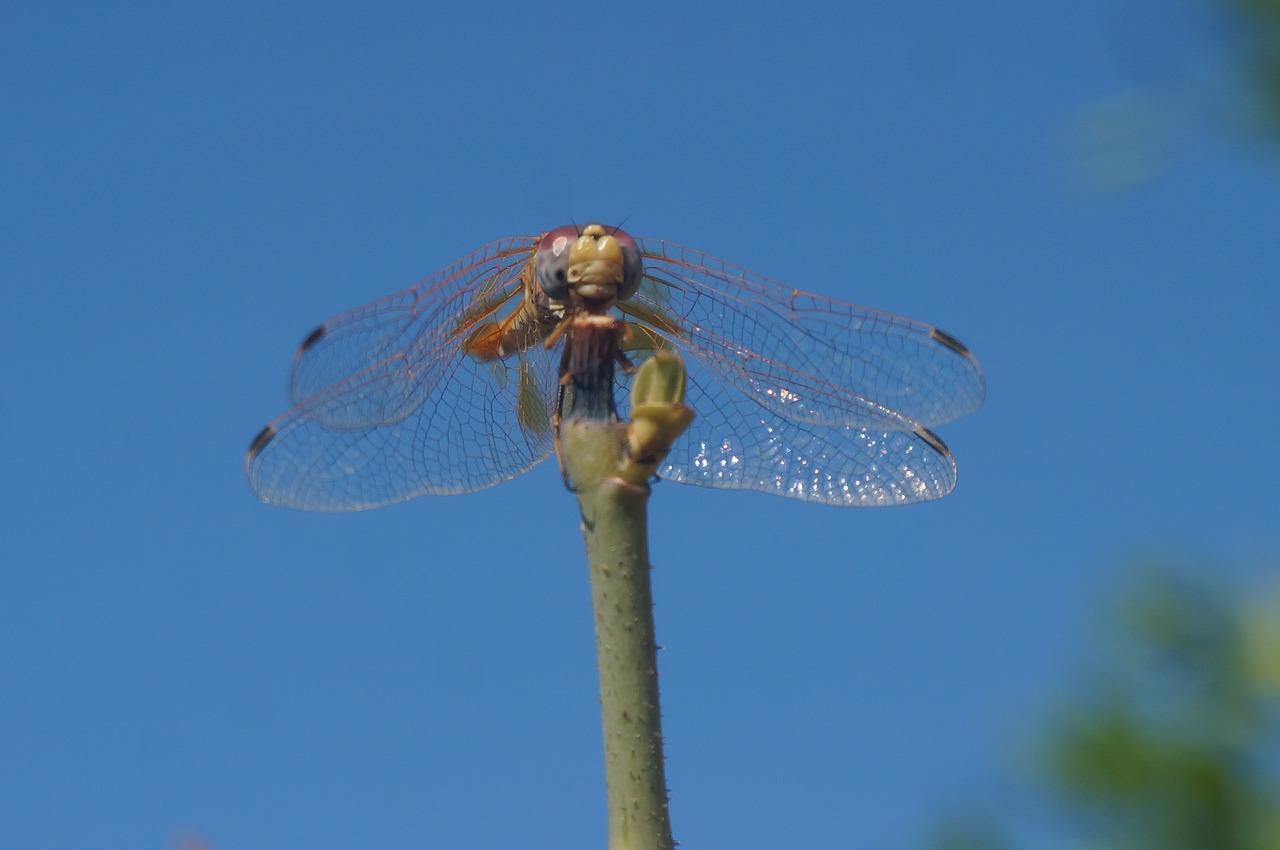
(615, 526)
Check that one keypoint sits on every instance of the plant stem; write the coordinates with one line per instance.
(615, 526)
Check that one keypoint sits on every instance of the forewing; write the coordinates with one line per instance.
(388, 356)
(806, 358)
(390, 405)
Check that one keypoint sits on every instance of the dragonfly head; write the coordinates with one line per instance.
(598, 265)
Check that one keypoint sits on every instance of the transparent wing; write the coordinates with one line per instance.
(735, 443)
(805, 357)
(801, 395)
(390, 403)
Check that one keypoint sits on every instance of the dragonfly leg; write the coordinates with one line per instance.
(556, 418)
(566, 377)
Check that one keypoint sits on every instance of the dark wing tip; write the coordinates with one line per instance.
(312, 338)
(260, 442)
(949, 341)
(934, 441)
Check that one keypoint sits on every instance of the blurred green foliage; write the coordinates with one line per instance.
(1218, 70)
(1173, 741)
(1260, 29)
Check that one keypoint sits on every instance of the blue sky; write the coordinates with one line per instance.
(186, 192)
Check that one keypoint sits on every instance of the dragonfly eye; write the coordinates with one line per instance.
(599, 264)
(552, 261)
(632, 267)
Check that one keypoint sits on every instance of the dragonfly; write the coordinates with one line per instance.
(458, 383)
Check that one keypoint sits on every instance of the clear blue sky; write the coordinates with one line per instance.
(186, 191)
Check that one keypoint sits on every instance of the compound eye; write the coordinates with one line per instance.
(632, 266)
(551, 263)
